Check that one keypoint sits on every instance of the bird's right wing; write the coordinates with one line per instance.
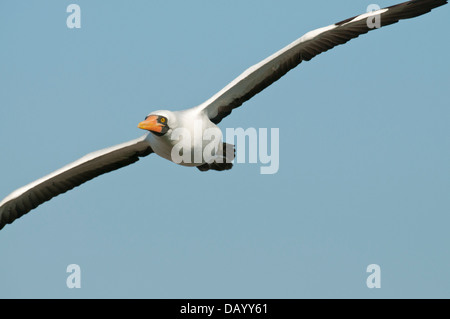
(86, 168)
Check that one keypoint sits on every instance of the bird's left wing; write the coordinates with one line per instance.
(72, 175)
(258, 77)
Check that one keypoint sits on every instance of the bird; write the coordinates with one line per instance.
(161, 126)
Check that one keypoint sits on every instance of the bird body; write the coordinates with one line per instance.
(191, 137)
(187, 137)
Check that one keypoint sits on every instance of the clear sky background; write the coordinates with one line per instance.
(364, 172)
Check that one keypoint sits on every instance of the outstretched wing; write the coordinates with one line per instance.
(258, 77)
(86, 168)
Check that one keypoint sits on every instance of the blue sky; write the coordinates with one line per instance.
(364, 170)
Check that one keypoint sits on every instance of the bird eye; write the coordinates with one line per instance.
(163, 120)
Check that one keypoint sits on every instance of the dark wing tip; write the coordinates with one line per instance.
(409, 9)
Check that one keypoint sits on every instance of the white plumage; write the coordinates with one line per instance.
(162, 124)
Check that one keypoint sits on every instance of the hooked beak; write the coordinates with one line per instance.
(151, 124)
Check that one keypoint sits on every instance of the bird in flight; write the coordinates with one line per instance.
(162, 125)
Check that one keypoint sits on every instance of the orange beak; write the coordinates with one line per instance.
(151, 124)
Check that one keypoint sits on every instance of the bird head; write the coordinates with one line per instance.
(156, 122)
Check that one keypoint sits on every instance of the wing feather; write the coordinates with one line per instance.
(86, 168)
(258, 77)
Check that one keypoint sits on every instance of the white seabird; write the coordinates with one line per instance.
(162, 124)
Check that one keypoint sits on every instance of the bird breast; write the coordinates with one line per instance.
(193, 142)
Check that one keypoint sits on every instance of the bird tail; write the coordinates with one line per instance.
(223, 161)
